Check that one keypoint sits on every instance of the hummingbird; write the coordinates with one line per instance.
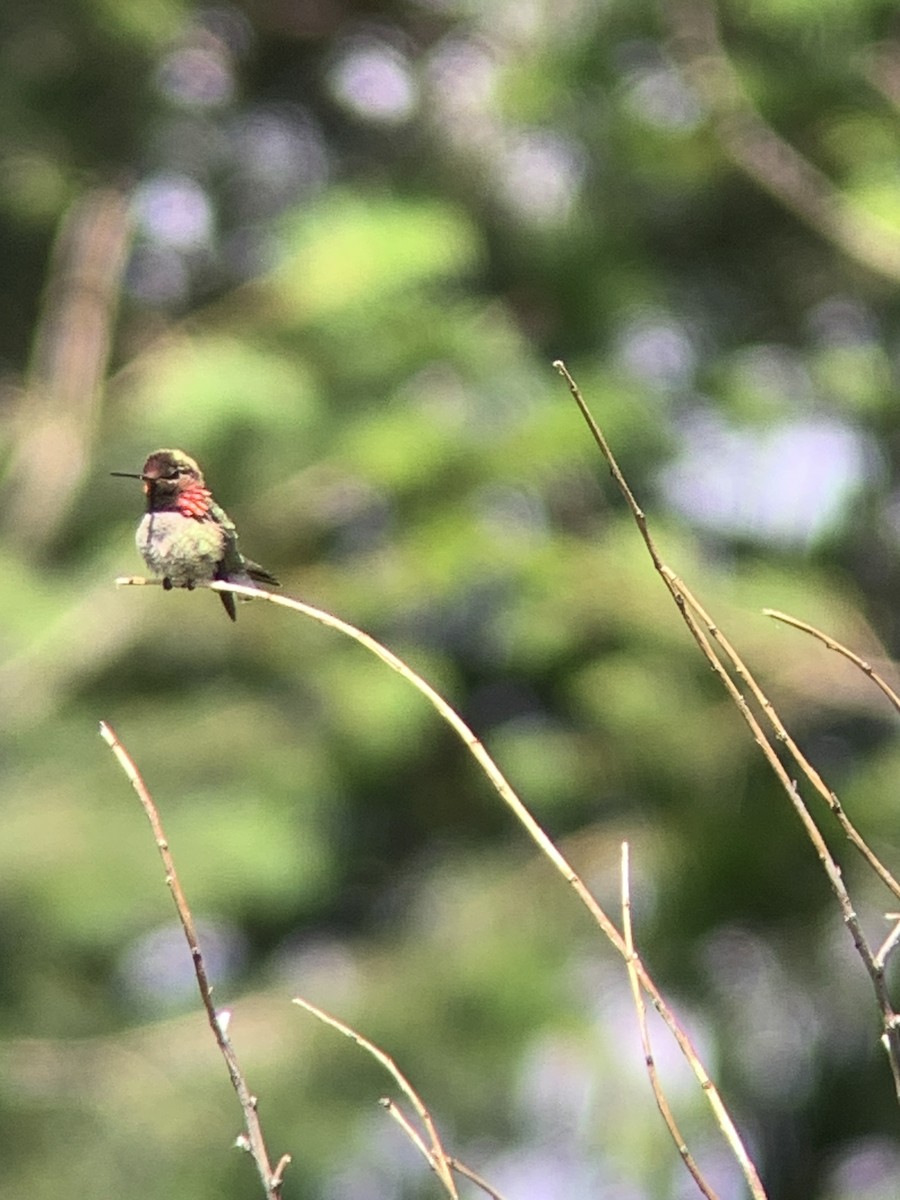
(184, 536)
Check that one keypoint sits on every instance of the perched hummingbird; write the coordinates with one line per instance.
(184, 535)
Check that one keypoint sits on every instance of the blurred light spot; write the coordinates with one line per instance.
(281, 150)
(35, 187)
(890, 517)
(249, 250)
(464, 625)
(720, 1170)
(840, 321)
(868, 1169)
(344, 498)
(597, 988)
(509, 511)
(535, 1172)
(439, 392)
(174, 210)
(774, 375)
(541, 174)
(158, 970)
(319, 967)
(764, 1007)
(157, 275)
(555, 1087)
(357, 1179)
(190, 142)
(789, 483)
(199, 76)
(659, 96)
(373, 80)
(230, 26)
(521, 22)
(573, 496)
(657, 350)
(462, 75)
(374, 1167)
(358, 516)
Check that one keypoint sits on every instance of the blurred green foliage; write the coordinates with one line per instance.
(357, 237)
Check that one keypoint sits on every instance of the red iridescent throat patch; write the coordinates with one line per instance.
(194, 501)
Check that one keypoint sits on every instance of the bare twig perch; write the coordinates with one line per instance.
(541, 839)
(254, 1141)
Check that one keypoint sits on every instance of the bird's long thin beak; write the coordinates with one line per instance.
(128, 474)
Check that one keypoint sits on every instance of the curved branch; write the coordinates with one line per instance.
(541, 839)
(765, 156)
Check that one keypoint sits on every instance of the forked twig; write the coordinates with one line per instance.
(461, 1169)
(850, 831)
(685, 603)
(649, 1061)
(541, 839)
(254, 1141)
(397, 1114)
(434, 1154)
(874, 967)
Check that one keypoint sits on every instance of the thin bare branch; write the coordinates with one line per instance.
(447, 713)
(839, 648)
(397, 1114)
(436, 1155)
(278, 1174)
(538, 836)
(685, 603)
(255, 1142)
(58, 411)
(889, 1042)
(880, 67)
(889, 945)
(649, 1061)
(764, 156)
(850, 831)
(461, 1169)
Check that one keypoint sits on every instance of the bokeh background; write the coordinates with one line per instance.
(331, 249)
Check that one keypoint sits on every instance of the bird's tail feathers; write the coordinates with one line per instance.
(259, 574)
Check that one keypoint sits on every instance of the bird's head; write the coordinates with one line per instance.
(172, 480)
